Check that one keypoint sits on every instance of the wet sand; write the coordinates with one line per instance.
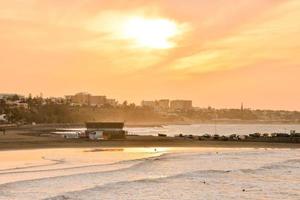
(25, 139)
(20, 165)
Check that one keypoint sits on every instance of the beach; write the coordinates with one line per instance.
(39, 165)
(28, 139)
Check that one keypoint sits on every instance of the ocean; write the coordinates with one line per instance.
(201, 129)
(221, 129)
(151, 174)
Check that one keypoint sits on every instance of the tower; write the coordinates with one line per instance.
(242, 111)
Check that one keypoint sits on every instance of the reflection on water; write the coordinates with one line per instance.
(148, 150)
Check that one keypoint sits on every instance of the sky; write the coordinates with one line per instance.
(217, 53)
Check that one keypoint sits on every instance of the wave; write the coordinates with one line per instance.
(202, 175)
(16, 170)
(142, 162)
(134, 163)
(57, 169)
(56, 162)
(138, 166)
(70, 195)
(286, 164)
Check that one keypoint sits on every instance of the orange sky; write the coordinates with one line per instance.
(217, 53)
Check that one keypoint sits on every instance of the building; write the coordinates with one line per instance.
(17, 104)
(157, 105)
(11, 96)
(56, 100)
(70, 133)
(112, 102)
(3, 118)
(87, 99)
(83, 98)
(96, 100)
(150, 104)
(105, 130)
(181, 105)
(163, 104)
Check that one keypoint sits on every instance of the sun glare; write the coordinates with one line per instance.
(151, 33)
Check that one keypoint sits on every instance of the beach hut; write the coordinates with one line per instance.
(105, 130)
(69, 135)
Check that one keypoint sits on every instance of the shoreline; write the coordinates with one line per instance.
(21, 139)
(223, 145)
(147, 124)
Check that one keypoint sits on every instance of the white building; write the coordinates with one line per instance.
(84, 98)
(17, 104)
(8, 96)
(163, 104)
(157, 105)
(150, 104)
(3, 118)
(181, 105)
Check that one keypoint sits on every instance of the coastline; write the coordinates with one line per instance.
(148, 124)
(28, 139)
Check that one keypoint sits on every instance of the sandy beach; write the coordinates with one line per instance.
(22, 165)
(41, 166)
(26, 139)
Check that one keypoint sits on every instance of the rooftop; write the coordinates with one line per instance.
(118, 125)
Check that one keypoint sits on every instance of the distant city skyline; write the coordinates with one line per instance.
(239, 105)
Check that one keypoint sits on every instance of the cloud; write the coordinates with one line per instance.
(273, 35)
(77, 43)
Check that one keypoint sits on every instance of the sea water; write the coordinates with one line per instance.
(180, 173)
(221, 129)
(201, 129)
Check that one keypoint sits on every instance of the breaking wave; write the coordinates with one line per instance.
(228, 169)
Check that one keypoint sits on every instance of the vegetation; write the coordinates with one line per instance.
(45, 111)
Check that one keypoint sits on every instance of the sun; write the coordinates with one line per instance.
(151, 33)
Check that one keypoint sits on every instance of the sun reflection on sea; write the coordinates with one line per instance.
(148, 150)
